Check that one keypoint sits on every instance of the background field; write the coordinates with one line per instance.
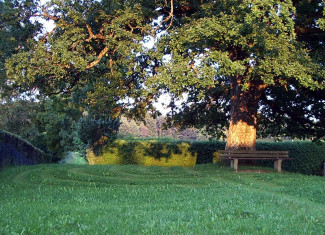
(205, 199)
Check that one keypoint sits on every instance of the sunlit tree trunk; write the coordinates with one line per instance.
(243, 120)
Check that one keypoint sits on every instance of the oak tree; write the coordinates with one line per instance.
(252, 63)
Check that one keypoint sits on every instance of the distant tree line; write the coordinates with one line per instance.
(157, 128)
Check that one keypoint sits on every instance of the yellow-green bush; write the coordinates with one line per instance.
(147, 153)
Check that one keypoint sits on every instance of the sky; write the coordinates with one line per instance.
(49, 24)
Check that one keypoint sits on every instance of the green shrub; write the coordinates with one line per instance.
(307, 156)
(74, 158)
(97, 132)
(148, 153)
(157, 152)
(206, 150)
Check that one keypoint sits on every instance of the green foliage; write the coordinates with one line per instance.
(92, 53)
(16, 31)
(205, 199)
(56, 125)
(147, 153)
(58, 122)
(95, 57)
(20, 117)
(95, 132)
(321, 21)
(222, 45)
(49, 124)
(307, 156)
(74, 158)
(206, 150)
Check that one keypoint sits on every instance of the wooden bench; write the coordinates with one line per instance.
(235, 155)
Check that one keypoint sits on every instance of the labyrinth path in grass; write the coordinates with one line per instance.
(112, 199)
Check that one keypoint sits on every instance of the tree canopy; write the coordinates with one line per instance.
(91, 54)
(16, 31)
(233, 59)
(240, 62)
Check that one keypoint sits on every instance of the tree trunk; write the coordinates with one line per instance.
(243, 116)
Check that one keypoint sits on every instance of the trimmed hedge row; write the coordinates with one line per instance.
(158, 153)
(14, 150)
(147, 153)
(308, 156)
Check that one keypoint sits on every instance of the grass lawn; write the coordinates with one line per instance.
(206, 199)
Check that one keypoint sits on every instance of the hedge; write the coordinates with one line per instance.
(158, 153)
(14, 150)
(147, 153)
(308, 156)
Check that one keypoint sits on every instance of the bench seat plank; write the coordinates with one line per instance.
(252, 151)
(253, 156)
(257, 158)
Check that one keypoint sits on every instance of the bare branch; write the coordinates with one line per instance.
(100, 56)
(171, 15)
(94, 36)
(48, 16)
(191, 65)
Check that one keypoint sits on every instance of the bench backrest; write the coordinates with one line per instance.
(253, 154)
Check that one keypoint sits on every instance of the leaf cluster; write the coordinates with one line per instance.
(96, 133)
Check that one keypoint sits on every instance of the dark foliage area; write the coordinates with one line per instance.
(96, 132)
(16, 151)
(10, 156)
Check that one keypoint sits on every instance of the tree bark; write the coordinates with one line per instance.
(243, 115)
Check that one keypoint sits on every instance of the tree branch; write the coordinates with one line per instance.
(48, 16)
(94, 36)
(68, 89)
(100, 56)
(170, 16)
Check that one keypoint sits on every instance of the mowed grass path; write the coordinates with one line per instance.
(206, 199)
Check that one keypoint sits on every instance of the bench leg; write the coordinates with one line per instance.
(278, 165)
(234, 164)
